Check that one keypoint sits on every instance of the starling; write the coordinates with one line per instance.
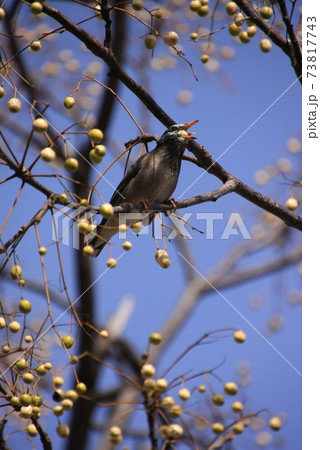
(152, 178)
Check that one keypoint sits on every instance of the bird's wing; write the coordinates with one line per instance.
(118, 195)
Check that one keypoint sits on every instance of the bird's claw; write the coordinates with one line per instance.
(144, 203)
(171, 202)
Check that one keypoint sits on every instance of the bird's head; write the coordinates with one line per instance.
(178, 132)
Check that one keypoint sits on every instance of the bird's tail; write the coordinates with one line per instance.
(103, 233)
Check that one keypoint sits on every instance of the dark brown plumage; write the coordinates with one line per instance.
(152, 178)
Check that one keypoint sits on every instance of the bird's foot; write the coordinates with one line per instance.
(144, 203)
(171, 202)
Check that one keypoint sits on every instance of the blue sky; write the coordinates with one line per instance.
(254, 82)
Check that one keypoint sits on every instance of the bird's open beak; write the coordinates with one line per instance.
(189, 125)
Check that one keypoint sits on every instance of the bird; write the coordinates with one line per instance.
(152, 178)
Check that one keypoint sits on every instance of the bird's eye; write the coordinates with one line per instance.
(174, 127)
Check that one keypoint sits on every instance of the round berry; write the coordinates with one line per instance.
(127, 245)
(195, 5)
(238, 428)
(14, 400)
(148, 370)
(234, 29)
(275, 423)
(237, 406)
(3, 323)
(155, 338)
(47, 154)
(68, 341)
(71, 164)
(25, 306)
(25, 399)
(266, 12)
(244, 37)
(57, 381)
(32, 430)
(265, 45)
(21, 364)
(88, 250)
(111, 263)
(150, 41)
(58, 410)
(94, 157)
(217, 428)
(218, 399)
(95, 135)
(15, 272)
(239, 336)
(171, 38)
(161, 385)
(230, 388)
(205, 58)
(28, 378)
(72, 395)
(36, 400)
(231, 8)
(100, 150)
(184, 394)
(63, 430)
(69, 102)
(292, 203)
(104, 334)
(252, 31)
(81, 388)
(2, 90)
(137, 5)
(14, 105)
(14, 326)
(36, 46)
(67, 404)
(167, 402)
(106, 210)
(36, 8)
(41, 370)
(175, 411)
(2, 14)
(203, 11)
(40, 125)
(175, 431)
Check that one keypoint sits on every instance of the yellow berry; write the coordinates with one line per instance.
(106, 210)
(36, 46)
(265, 45)
(95, 135)
(231, 8)
(71, 164)
(230, 388)
(266, 12)
(171, 38)
(40, 125)
(239, 336)
(292, 203)
(111, 263)
(69, 102)
(244, 38)
(275, 423)
(14, 105)
(234, 29)
(184, 394)
(150, 41)
(217, 428)
(63, 430)
(36, 8)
